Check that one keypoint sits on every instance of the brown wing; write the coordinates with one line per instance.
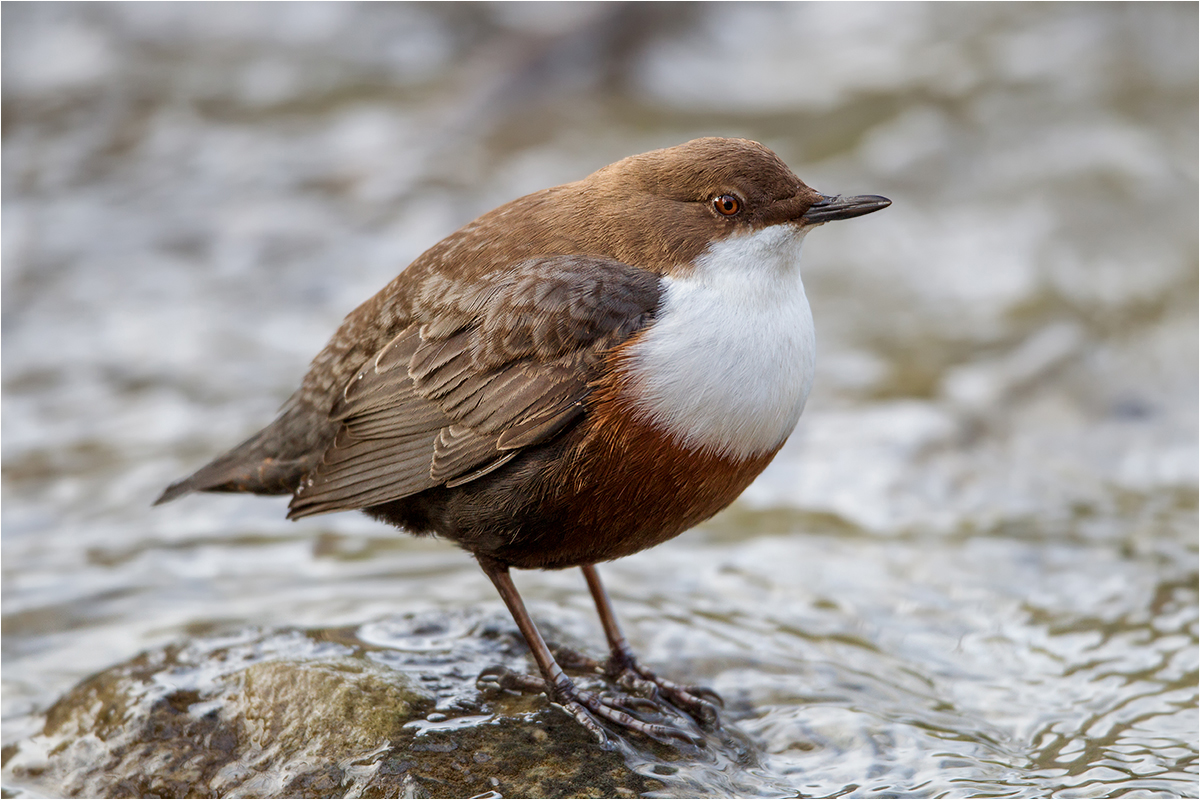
(485, 370)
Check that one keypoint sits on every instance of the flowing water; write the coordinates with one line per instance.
(973, 568)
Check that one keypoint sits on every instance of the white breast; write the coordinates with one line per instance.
(728, 363)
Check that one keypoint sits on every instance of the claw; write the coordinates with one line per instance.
(587, 706)
(692, 700)
(499, 677)
(704, 692)
(629, 702)
(699, 702)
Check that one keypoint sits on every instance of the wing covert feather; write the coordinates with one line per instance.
(485, 368)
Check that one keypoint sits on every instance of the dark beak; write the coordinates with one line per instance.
(829, 208)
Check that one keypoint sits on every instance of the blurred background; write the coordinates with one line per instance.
(972, 569)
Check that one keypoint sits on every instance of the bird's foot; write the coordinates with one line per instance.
(589, 708)
(614, 709)
(699, 702)
(622, 667)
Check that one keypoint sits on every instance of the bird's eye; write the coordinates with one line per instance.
(727, 205)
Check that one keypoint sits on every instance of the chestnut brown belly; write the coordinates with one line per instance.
(608, 488)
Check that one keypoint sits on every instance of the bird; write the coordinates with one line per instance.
(578, 375)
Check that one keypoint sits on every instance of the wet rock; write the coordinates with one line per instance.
(321, 714)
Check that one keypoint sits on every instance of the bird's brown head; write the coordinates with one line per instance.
(659, 211)
(662, 209)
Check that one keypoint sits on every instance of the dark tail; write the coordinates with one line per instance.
(273, 461)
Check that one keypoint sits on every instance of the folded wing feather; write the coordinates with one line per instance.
(481, 373)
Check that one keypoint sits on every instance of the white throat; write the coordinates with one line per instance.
(728, 363)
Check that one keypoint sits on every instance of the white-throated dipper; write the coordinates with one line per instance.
(573, 377)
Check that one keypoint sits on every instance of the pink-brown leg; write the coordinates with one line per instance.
(585, 706)
(701, 703)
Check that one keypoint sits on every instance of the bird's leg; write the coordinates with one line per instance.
(698, 701)
(584, 706)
